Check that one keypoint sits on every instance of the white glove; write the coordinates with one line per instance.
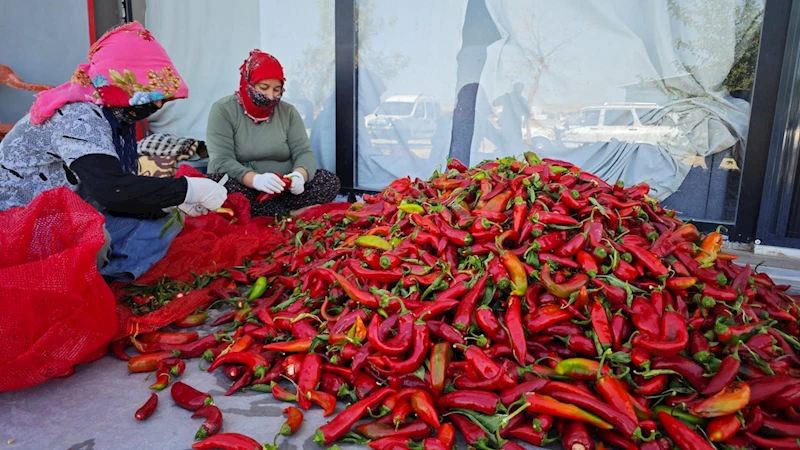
(298, 183)
(269, 183)
(202, 195)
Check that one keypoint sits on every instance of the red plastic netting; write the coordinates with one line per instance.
(56, 311)
(208, 244)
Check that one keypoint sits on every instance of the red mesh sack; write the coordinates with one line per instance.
(208, 244)
(56, 311)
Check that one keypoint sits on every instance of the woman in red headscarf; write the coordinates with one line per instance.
(257, 140)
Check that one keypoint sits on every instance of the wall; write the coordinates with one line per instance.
(43, 42)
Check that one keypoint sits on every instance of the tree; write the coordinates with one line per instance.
(703, 16)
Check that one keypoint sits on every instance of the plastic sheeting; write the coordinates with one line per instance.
(640, 85)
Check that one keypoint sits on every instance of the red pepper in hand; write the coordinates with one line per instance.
(148, 408)
(213, 422)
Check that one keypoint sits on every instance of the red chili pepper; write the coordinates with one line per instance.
(162, 381)
(691, 371)
(480, 401)
(626, 272)
(683, 436)
(726, 294)
(565, 289)
(310, 373)
(674, 336)
(723, 428)
(148, 362)
(544, 317)
(549, 242)
(118, 349)
(616, 439)
(653, 386)
(614, 393)
(645, 317)
(458, 237)
(730, 400)
(587, 263)
(497, 203)
(341, 424)
(188, 397)
(435, 309)
(420, 349)
(624, 424)
(576, 436)
(359, 296)
(282, 394)
(549, 218)
(148, 408)
(228, 441)
(193, 349)
(650, 260)
(295, 346)
(395, 346)
(548, 405)
(727, 372)
(602, 330)
(213, 422)
(257, 364)
(775, 443)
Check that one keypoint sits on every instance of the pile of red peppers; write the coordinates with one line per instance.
(519, 300)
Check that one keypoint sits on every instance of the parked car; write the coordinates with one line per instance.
(404, 117)
(620, 121)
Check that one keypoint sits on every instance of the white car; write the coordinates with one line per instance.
(620, 121)
(404, 117)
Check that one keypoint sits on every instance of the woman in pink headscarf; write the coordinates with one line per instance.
(81, 135)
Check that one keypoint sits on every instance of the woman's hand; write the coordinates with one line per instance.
(298, 183)
(269, 183)
(202, 196)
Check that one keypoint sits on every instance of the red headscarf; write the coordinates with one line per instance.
(257, 67)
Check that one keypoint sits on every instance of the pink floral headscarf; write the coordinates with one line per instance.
(127, 67)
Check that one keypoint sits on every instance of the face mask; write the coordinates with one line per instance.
(261, 100)
(135, 113)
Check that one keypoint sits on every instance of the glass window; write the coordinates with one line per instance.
(400, 77)
(618, 118)
(567, 77)
(589, 118)
(419, 113)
